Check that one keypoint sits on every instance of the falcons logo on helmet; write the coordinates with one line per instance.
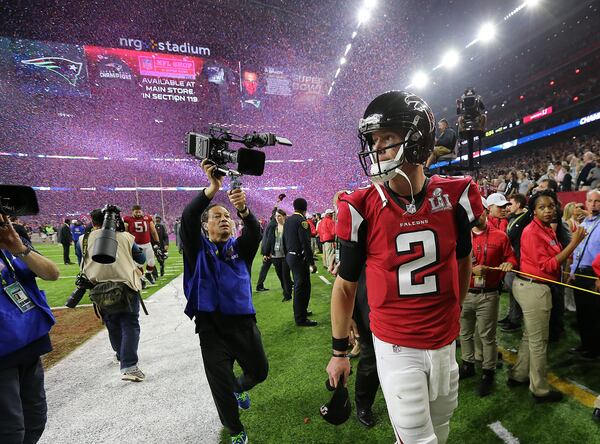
(67, 69)
(419, 105)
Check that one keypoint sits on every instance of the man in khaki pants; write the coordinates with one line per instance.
(491, 248)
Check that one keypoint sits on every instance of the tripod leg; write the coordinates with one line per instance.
(470, 148)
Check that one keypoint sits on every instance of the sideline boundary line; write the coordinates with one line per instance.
(577, 391)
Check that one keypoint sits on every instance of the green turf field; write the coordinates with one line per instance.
(295, 388)
(57, 292)
(285, 408)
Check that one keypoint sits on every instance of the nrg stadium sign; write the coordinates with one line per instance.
(180, 48)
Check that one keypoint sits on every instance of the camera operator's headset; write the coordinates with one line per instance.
(84, 249)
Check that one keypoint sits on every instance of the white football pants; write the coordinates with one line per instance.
(149, 253)
(420, 389)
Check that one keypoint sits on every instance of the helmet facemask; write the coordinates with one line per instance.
(381, 171)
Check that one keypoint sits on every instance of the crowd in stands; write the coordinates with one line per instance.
(571, 163)
(140, 144)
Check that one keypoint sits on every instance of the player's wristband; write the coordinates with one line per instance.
(340, 345)
(336, 355)
(245, 210)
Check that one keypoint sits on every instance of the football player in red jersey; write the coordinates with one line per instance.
(413, 234)
(143, 229)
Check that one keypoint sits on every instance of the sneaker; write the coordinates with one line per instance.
(510, 327)
(135, 375)
(144, 284)
(486, 384)
(307, 323)
(243, 400)
(240, 438)
(115, 359)
(261, 288)
(466, 370)
(150, 278)
(552, 396)
(596, 415)
(286, 299)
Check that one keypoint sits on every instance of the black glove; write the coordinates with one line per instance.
(159, 253)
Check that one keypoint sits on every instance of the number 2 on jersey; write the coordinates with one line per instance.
(405, 244)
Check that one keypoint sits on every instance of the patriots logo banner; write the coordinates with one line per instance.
(67, 69)
(253, 102)
(49, 68)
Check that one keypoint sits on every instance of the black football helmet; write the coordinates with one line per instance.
(402, 111)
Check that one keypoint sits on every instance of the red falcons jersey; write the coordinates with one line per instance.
(140, 228)
(411, 259)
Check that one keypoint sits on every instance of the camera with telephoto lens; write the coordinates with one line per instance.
(105, 246)
(83, 284)
(214, 147)
(471, 117)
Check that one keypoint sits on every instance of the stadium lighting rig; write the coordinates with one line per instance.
(449, 60)
(486, 34)
(420, 80)
(364, 14)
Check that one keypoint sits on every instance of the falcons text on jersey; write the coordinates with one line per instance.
(411, 259)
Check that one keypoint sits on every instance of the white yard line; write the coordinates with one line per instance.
(324, 280)
(503, 433)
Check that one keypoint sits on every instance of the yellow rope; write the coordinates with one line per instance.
(581, 275)
(533, 276)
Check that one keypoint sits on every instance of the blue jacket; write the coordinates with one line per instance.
(217, 276)
(77, 231)
(18, 330)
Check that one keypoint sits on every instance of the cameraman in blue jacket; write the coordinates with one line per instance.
(219, 298)
(25, 321)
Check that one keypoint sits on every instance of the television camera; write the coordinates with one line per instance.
(215, 147)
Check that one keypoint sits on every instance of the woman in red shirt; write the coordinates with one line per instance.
(541, 255)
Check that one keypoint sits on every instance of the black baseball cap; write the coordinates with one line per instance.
(338, 410)
(300, 204)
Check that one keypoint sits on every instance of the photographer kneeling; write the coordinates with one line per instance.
(219, 293)
(116, 293)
